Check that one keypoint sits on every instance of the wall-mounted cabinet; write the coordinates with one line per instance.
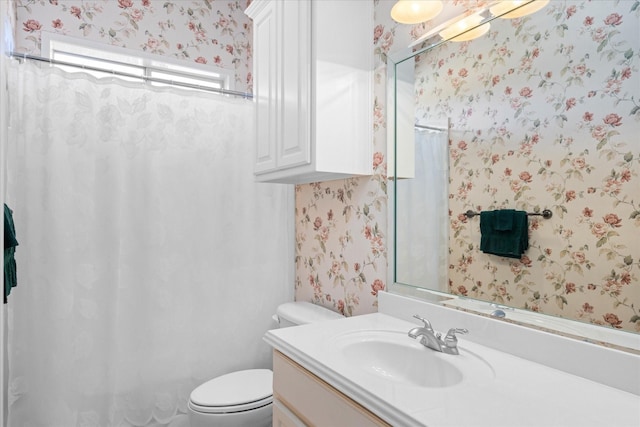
(313, 89)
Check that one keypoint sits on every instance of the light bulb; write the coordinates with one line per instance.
(415, 11)
(468, 24)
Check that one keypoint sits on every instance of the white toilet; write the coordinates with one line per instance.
(244, 398)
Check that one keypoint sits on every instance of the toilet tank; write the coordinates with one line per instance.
(302, 312)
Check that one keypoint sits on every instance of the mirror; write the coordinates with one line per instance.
(541, 112)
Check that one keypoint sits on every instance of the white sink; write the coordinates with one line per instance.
(394, 356)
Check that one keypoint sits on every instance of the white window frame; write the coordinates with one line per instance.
(121, 62)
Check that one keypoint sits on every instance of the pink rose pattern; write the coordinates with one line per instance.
(341, 242)
(571, 146)
(206, 32)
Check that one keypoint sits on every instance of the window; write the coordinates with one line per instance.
(101, 60)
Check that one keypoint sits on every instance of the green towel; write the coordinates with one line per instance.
(503, 220)
(504, 232)
(10, 243)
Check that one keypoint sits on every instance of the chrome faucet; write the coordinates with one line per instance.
(431, 339)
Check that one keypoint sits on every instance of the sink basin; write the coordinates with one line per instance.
(394, 356)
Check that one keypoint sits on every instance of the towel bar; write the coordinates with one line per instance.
(546, 214)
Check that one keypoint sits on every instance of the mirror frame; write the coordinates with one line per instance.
(592, 333)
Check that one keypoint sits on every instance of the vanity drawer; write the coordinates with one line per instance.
(314, 401)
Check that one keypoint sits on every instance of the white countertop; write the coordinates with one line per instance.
(520, 393)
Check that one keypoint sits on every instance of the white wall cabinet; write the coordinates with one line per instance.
(313, 89)
(302, 399)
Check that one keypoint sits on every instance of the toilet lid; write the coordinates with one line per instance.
(245, 389)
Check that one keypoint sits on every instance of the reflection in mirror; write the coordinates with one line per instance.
(420, 235)
(542, 113)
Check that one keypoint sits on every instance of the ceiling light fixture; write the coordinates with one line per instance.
(516, 9)
(415, 11)
(467, 28)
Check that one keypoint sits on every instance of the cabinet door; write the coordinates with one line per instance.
(315, 402)
(283, 417)
(265, 38)
(295, 83)
(312, 89)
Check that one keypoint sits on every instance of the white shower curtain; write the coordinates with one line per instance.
(422, 215)
(149, 260)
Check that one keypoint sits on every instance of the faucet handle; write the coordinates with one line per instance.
(450, 341)
(451, 334)
(427, 324)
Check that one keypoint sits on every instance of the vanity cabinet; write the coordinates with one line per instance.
(301, 399)
(313, 89)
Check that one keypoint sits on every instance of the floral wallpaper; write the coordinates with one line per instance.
(214, 32)
(545, 115)
(341, 242)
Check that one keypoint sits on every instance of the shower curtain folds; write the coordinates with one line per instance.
(142, 234)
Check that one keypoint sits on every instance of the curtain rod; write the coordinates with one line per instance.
(25, 57)
(430, 128)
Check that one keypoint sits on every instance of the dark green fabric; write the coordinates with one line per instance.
(503, 220)
(504, 232)
(10, 243)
